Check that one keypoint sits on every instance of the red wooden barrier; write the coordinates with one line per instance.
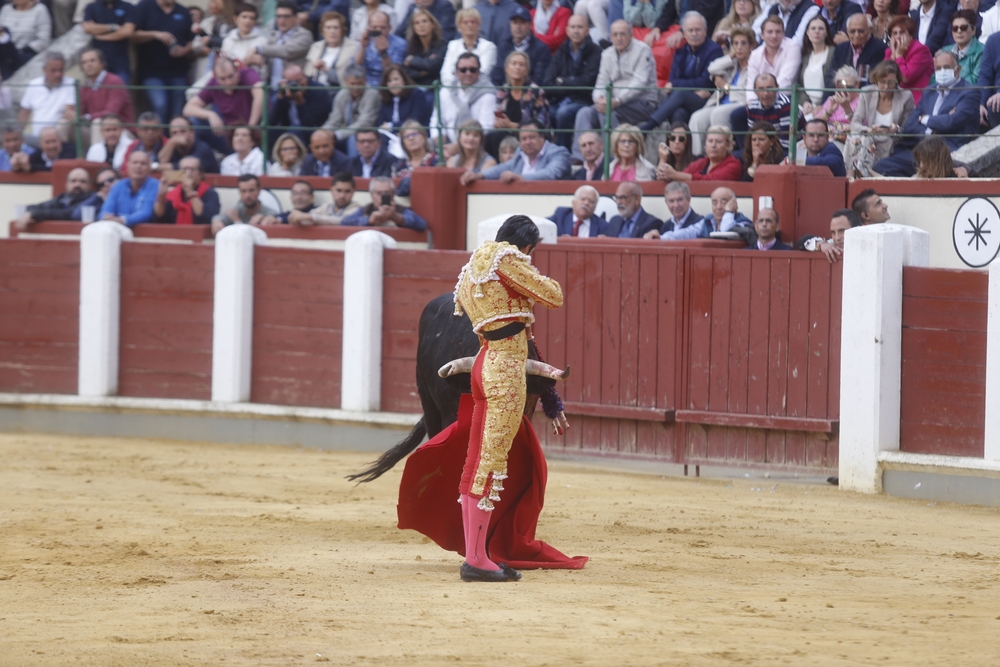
(297, 328)
(760, 355)
(412, 278)
(943, 377)
(166, 321)
(39, 316)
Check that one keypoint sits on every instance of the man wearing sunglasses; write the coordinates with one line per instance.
(475, 98)
(105, 179)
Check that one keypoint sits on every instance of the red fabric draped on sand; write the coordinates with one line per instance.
(428, 497)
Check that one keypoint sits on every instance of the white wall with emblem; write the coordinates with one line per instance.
(937, 216)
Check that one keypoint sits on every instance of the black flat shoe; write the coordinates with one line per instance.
(469, 573)
(512, 574)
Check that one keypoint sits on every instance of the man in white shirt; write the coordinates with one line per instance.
(469, 24)
(112, 148)
(475, 99)
(778, 55)
(49, 100)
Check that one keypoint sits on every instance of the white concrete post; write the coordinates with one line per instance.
(232, 314)
(487, 230)
(100, 307)
(992, 449)
(871, 346)
(361, 360)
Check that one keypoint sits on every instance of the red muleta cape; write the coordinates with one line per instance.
(428, 497)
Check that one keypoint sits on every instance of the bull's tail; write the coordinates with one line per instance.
(391, 457)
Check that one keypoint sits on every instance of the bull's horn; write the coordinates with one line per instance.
(456, 366)
(544, 370)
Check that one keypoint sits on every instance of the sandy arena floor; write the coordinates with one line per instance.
(137, 552)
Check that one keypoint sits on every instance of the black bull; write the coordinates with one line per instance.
(443, 338)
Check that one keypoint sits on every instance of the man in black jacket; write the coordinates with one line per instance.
(371, 160)
(575, 63)
(301, 105)
(61, 207)
(861, 51)
(52, 148)
(521, 36)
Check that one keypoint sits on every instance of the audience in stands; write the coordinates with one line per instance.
(591, 150)
(328, 59)
(778, 56)
(371, 160)
(870, 207)
(819, 150)
(719, 164)
(817, 54)
(675, 150)
(764, 148)
(574, 64)
(842, 220)
(311, 12)
(471, 154)
(359, 17)
(628, 163)
(49, 100)
(934, 20)
(682, 216)
(25, 31)
(287, 45)
(183, 142)
(60, 207)
(795, 15)
(725, 217)
(323, 158)
(989, 82)
(355, 106)
(247, 157)
(881, 13)
(949, 109)
(248, 210)
(966, 46)
(111, 24)
(628, 66)
(163, 37)
(419, 153)
(340, 206)
(242, 42)
(401, 101)
(537, 159)
(208, 35)
(731, 80)
(50, 148)
(742, 14)
(839, 108)
(301, 103)
(233, 96)
(862, 51)
(113, 146)
(102, 93)
(425, 48)
(836, 13)
(915, 60)
(518, 100)
(379, 48)
(548, 22)
(384, 211)
(150, 137)
(579, 219)
(131, 199)
(932, 156)
(474, 99)
(767, 227)
(442, 10)
(13, 148)
(495, 16)
(632, 221)
(303, 202)
(597, 15)
(468, 41)
(106, 178)
(188, 201)
(508, 148)
(771, 107)
(882, 110)
(287, 156)
(520, 38)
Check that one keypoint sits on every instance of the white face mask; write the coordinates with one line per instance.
(945, 77)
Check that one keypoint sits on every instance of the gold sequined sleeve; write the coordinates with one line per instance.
(525, 279)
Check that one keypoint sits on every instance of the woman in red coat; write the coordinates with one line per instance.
(549, 21)
(717, 165)
(914, 59)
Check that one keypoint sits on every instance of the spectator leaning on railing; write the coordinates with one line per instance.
(191, 201)
(248, 210)
(725, 217)
(49, 100)
(384, 211)
(536, 160)
(841, 220)
(131, 200)
(51, 148)
(303, 202)
(106, 178)
(60, 207)
(471, 154)
(111, 23)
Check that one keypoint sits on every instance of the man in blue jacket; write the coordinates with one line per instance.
(688, 71)
(950, 109)
(632, 221)
(819, 152)
(536, 160)
(131, 199)
(521, 38)
(725, 217)
(933, 18)
(989, 81)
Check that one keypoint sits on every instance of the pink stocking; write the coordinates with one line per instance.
(476, 523)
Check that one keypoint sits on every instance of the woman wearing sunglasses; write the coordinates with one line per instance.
(676, 151)
(968, 49)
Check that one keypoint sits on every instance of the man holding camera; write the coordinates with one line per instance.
(379, 47)
(301, 103)
(384, 211)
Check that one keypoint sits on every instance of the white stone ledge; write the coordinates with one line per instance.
(205, 408)
(953, 464)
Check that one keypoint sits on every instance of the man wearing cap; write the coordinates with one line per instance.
(521, 38)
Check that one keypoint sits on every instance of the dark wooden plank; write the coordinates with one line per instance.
(947, 314)
(719, 351)
(819, 340)
(627, 438)
(717, 442)
(777, 346)
(736, 444)
(795, 448)
(942, 440)
(628, 327)
(935, 345)
(836, 303)
(611, 343)
(700, 333)
(590, 433)
(739, 335)
(775, 444)
(816, 451)
(696, 446)
(666, 442)
(575, 322)
(618, 411)
(757, 355)
(756, 445)
(954, 284)
(652, 312)
(918, 377)
(591, 331)
(753, 421)
(645, 438)
(797, 379)
(555, 323)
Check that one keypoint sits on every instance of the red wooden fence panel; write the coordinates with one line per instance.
(411, 279)
(39, 316)
(166, 321)
(297, 326)
(943, 378)
(759, 356)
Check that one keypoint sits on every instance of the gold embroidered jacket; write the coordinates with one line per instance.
(499, 284)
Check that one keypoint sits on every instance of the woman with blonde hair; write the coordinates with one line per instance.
(629, 164)
(328, 59)
(419, 153)
(286, 156)
(741, 14)
(717, 165)
(518, 100)
(471, 154)
(882, 110)
(425, 48)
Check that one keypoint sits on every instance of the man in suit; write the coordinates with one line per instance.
(371, 160)
(933, 19)
(725, 217)
(949, 108)
(632, 222)
(989, 81)
(51, 148)
(536, 160)
(682, 216)
(592, 151)
(521, 38)
(861, 51)
(767, 228)
(323, 158)
(836, 13)
(579, 219)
